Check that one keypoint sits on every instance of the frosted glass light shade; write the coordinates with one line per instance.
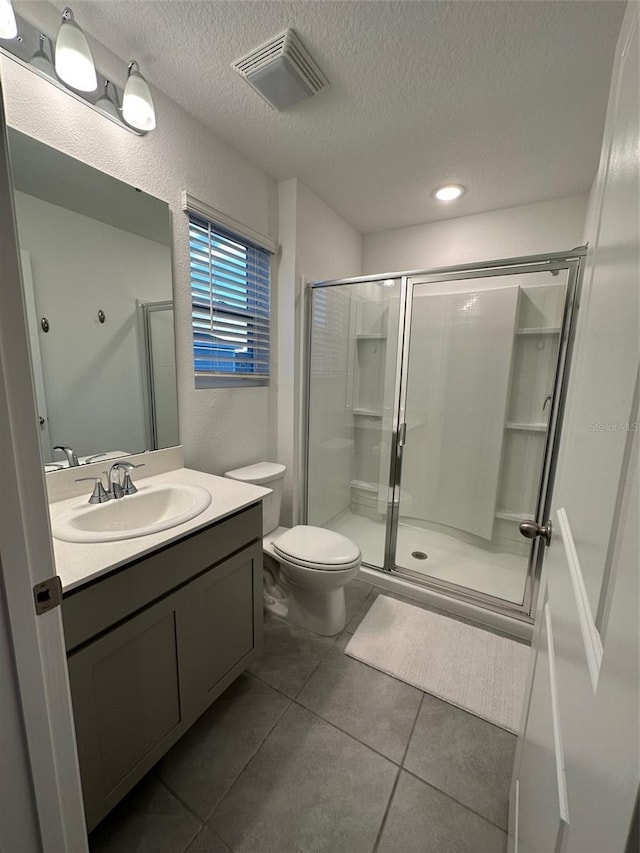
(137, 103)
(8, 26)
(74, 63)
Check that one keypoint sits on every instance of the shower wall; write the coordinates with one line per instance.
(529, 229)
(459, 370)
(352, 356)
(481, 370)
(331, 448)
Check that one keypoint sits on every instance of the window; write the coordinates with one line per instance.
(230, 279)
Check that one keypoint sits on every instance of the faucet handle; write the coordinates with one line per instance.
(99, 494)
(128, 487)
(120, 489)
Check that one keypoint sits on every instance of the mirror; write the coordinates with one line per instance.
(96, 265)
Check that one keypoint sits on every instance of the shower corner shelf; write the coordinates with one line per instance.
(543, 330)
(533, 427)
(365, 412)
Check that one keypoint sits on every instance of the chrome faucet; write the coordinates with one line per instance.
(72, 457)
(116, 487)
(99, 495)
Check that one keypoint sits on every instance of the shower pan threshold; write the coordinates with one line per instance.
(480, 614)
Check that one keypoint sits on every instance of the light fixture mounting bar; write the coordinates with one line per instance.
(28, 42)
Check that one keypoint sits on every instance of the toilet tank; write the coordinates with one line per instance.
(271, 476)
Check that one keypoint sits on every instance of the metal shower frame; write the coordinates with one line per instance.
(573, 262)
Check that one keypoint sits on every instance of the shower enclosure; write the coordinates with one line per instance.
(432, 420)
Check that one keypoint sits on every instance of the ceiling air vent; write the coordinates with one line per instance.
(282, 71)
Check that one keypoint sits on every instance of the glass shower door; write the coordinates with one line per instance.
(479, 379)
(351, 387)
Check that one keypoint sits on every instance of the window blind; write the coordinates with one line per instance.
(230, 281)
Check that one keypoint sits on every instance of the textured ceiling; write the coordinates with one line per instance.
(507, 97)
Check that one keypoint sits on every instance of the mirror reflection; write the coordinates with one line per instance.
(96, 265)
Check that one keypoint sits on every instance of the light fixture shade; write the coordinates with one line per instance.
(137, 103)
(74, 63)
(8, 26)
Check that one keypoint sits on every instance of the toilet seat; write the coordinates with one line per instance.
(316, 548)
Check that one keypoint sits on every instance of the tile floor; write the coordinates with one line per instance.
(311, 751)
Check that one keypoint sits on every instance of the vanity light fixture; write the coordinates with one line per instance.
(8, 25)
(68, 65)
(448, 192)
(137, 103)
(74, 63)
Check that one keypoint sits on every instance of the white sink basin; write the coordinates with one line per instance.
(152, 509)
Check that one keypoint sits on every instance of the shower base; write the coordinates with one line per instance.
(494, 573)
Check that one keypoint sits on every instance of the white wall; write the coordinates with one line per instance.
(316, 244)
(92, 371)
(220, 428)
(547, 226)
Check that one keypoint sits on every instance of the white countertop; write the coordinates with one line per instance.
(79, 562)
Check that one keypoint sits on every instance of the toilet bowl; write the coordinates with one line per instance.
(306, 568)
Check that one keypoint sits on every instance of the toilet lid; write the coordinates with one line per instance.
(317, 546)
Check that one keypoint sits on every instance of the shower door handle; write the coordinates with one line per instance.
(530, 529)
(402, 434)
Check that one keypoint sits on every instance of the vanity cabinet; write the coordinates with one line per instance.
(153, 644)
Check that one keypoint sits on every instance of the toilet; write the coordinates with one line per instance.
(305, 568)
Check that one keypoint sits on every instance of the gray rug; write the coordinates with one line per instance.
(467, 666)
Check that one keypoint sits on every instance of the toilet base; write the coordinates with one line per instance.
(324, 612)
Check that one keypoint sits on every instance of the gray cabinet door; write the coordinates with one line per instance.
(127, 702)
(225, 626)
(137, 687)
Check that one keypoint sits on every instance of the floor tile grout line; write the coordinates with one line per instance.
(413, 728)
(278, 690)
(450, 797)
(312, 673)
(344, 732)
(383, 822)
(270, 686)
(182, 802)
(395, 784)
(246, 764)
(202, 821)
(199, 832)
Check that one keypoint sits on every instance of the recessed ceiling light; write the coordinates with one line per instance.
(448, 192)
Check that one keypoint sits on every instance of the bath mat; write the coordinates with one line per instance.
(466, 666)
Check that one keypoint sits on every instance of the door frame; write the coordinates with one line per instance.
(144, 311)
(31, 309)
(27, 559)
(573, 262)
